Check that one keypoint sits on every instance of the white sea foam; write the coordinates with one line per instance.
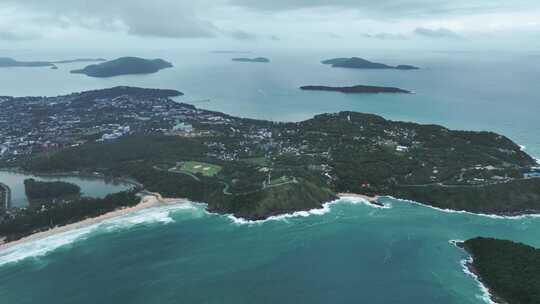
(493, 216)
(326, 208)
(522, 147)
(43, 246)
(486, 294)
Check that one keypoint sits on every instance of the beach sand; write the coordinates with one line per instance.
(148, 200)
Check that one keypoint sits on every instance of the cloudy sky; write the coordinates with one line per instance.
(226, 24)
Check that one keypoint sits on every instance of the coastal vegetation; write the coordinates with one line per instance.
(510, 270)
(124, 66)
(40, 192)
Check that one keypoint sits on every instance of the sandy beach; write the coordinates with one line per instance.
(148, 200)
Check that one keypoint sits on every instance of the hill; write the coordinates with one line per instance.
(124, 66)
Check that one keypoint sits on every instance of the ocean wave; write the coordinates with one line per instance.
(486, 294)
(492, 216)
(326, 208)
(146, 216)
(42, 246)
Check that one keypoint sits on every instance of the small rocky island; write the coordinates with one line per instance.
(359, 63)
(510, 270)
(254, 60)
(359, 89)
(124, 66)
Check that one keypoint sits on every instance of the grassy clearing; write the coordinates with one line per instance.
(204, 169)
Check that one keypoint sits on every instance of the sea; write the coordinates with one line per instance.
(348, 251)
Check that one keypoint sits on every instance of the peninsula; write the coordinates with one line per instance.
(124, 66)
(359, 63)
(255, 168)
(254, 60)
(362, 89)
(510, 270)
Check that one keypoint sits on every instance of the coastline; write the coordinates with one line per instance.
(148, 200)
(469, 269)
(374, 200)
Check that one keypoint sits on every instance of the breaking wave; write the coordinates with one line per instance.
(326, 208)
(493, 216)
(42, 246)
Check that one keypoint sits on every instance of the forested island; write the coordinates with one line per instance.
(359, 63)
(255, 168)
(254, 60)
(359, 89)
(510, 270)
(124, 66)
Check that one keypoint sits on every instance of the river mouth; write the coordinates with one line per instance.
(91, 186)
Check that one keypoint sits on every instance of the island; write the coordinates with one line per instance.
(124, 66)
(79, 60)
(363, 89)
(511, 271)
(40, 192)
(254, 169)
(254, 60)
(10, 62)
(6, 62)
(359, 63)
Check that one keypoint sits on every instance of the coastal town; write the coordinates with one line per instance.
(237, 159)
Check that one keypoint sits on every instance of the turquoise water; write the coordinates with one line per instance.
(90, 186)
(353, 253)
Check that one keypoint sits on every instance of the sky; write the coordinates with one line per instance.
(270, 24)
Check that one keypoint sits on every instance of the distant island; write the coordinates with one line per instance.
(124, 66)
(361, 89)
(80, 60)
(359, 63)
(257, 60)
(510, 270)
(6, 62)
